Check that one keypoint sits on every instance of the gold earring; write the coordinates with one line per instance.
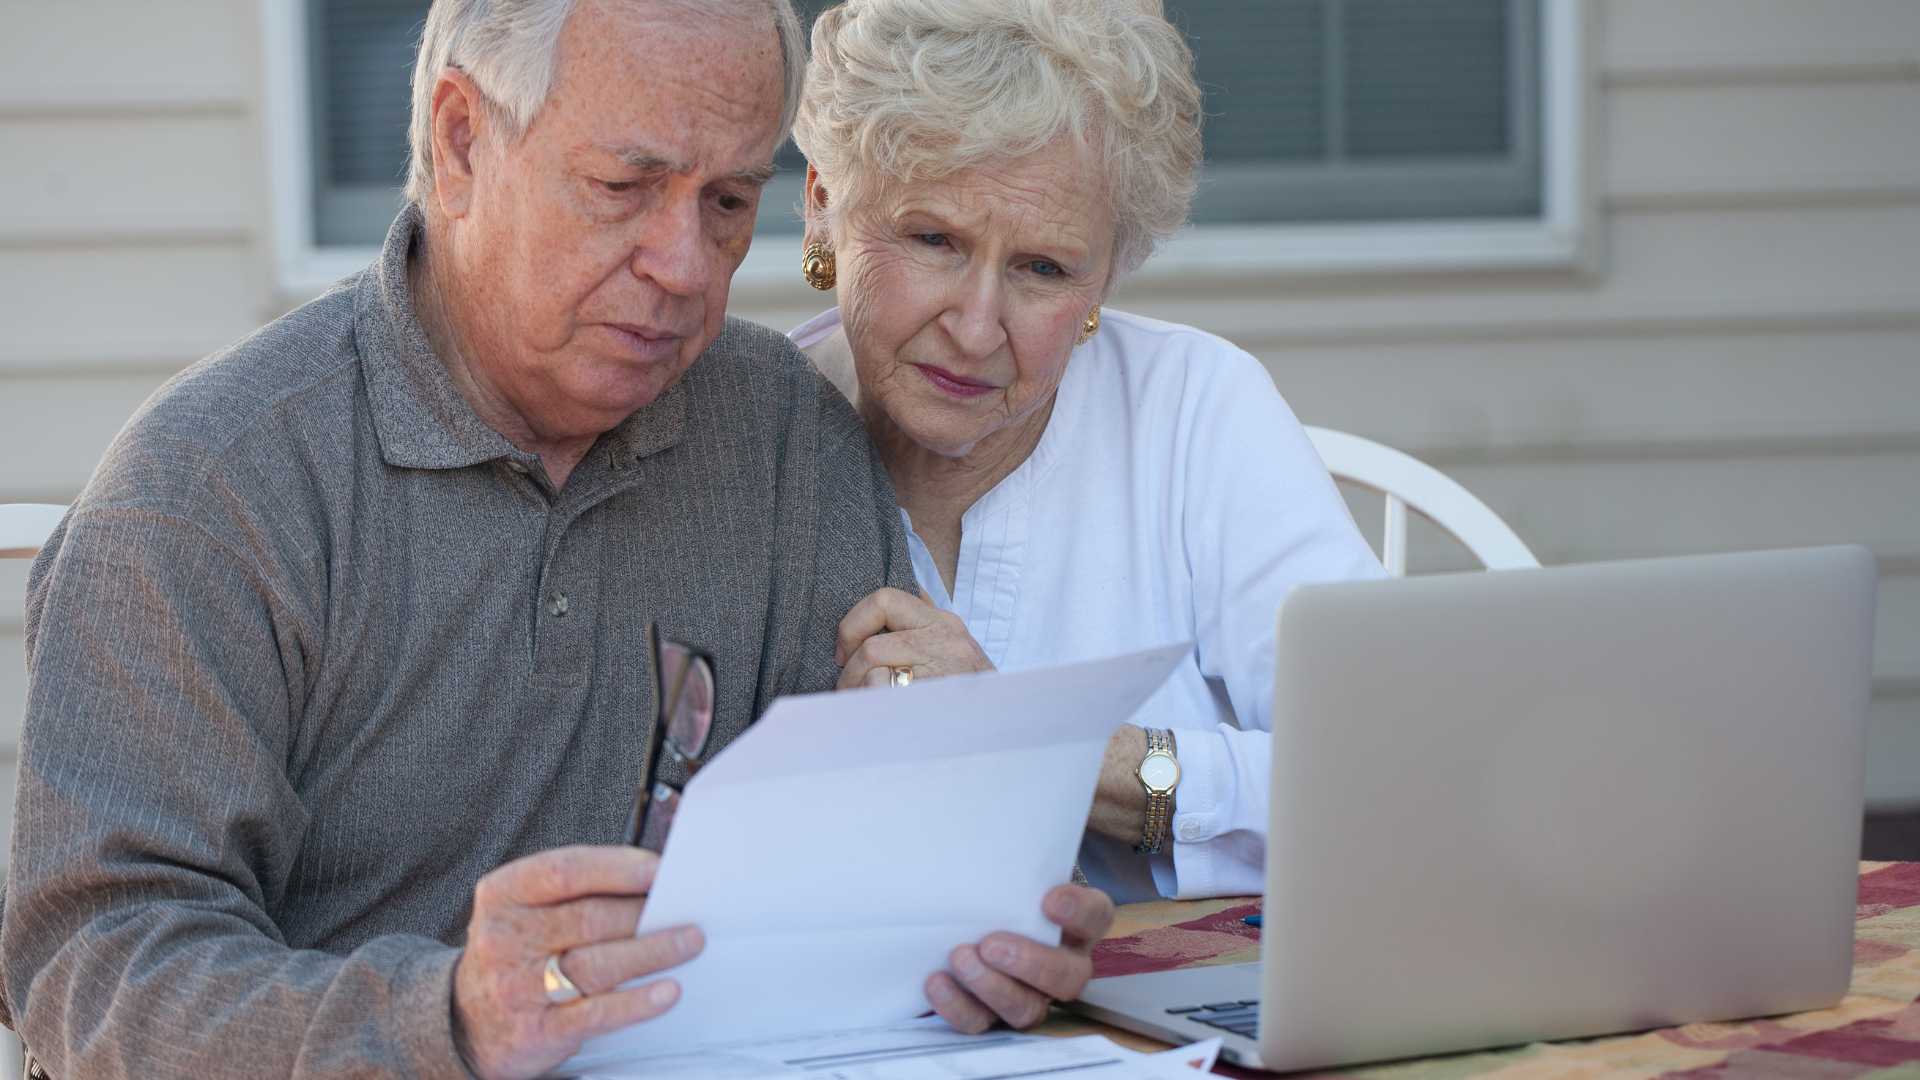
(1088, 328)
(816, 265)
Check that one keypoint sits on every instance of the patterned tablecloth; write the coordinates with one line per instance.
(1874, 1031)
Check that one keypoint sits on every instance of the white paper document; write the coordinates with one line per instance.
(923, 1050)
(836, 852)
(1197, 1057)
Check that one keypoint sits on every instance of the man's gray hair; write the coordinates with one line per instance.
(905, 90)
(511, 50)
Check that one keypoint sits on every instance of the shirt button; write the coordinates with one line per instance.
(557, 605)
(518, 466)
(1189, 830)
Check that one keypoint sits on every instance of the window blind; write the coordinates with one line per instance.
(1349, 110)
(361, 61)
(1366, 110)
(1316, 110)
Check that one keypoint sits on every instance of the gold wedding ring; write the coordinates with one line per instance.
(560, 989)
(902, 676)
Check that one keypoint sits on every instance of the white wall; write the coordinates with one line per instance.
(1741, 368)
(131, 206)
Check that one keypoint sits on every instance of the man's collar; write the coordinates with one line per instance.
(422, 420)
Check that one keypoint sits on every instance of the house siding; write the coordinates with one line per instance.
(132, 219)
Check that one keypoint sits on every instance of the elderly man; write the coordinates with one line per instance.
(339, 674)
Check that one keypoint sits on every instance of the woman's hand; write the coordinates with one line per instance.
(1119, 799)
(893, 629)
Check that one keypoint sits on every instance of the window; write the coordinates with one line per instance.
(360, 56)
(1353, 110)
(1366, 135)
(1453, 122)
(1367, 110)
(360, 64)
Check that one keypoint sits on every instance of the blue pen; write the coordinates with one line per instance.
(1251, 920)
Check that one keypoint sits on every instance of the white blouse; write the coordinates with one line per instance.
(1172, 497)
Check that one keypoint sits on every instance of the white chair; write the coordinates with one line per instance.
(24, 527)
(1409, 483)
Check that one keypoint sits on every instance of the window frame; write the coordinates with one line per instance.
(1558, 240)
(302, 267)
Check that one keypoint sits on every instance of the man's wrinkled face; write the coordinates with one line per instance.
(596, 250)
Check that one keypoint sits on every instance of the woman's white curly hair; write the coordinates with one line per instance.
(906, 90)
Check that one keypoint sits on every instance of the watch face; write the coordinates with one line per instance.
(1159, 772)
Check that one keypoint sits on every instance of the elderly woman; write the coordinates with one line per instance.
(1077, 482)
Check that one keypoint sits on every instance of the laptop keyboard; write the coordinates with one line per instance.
(1239, 1017)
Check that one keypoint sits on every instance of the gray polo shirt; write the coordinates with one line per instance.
(317, 648)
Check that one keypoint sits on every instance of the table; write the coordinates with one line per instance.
(1874, 1031)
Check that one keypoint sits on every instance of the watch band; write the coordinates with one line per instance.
(1153, 834)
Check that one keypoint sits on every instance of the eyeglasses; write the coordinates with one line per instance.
(682, 721)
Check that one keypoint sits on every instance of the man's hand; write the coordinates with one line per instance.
(1015, 979)
(891, 629)
(584, 904)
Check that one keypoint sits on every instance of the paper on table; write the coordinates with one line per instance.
(1199, 1056)
(922, 1050)
(838, 851)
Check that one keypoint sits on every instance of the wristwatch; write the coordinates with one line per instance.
(1159, 773)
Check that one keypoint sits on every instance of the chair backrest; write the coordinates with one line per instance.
(1408, 482)
(24, 527)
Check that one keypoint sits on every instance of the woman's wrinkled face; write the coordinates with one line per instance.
(963, 298)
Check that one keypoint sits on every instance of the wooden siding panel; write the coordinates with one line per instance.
(9, 774)
(87, 52)
(83, 305)
(1896, 645)
(1698, 142)
(13, 593)
(1580, 510)
(1893, 751)
(1784, 388)
(1587, 511)
(1720, 267)
(112, 175)
(13, 681)
(1704, 35)
(13, 691)
(68, 423)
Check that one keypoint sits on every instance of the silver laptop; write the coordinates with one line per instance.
(1543, 804)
